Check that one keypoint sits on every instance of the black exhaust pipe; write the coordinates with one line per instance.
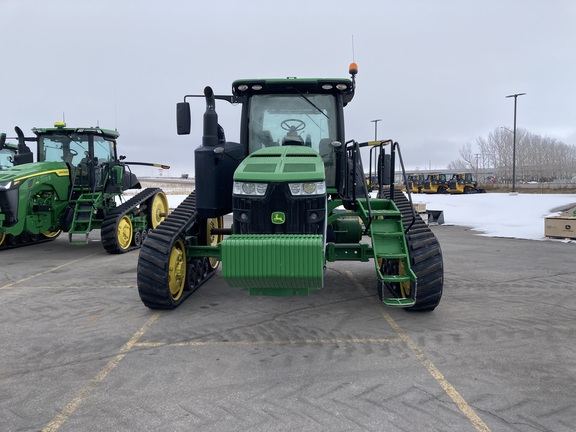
(210, 133)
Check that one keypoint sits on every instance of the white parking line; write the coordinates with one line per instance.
(448, 388)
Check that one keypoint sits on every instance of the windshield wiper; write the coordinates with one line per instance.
(313, 104)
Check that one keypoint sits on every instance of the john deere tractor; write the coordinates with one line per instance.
(298, 199)
(74, 187)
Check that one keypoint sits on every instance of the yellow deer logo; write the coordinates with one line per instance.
(278, 218)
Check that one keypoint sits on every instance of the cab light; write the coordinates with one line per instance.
(242, 87)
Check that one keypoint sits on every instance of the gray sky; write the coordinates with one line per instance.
(435, 71)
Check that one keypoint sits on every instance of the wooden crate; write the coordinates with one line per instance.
(560, 227)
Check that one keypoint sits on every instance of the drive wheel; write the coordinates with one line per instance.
(177, 271)
(158, 209)
(213, 239)
(124, 233)
(397, 289)
(2, 237)
(51, 234)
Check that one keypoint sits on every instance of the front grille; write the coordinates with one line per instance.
(302, 214)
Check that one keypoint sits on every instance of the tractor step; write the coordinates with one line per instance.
(78, 242)
(396, 278)
(83, 216)
(399, 302)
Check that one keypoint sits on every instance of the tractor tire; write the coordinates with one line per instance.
(117, 232)
(166, 276)
(425, 257)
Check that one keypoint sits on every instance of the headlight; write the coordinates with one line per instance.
(245, 188)
(315, 188)
(6, 184)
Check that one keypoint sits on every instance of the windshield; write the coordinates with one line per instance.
(73, 148)
(5, 158)
(281, 119)
(69, 148)
(295, 119)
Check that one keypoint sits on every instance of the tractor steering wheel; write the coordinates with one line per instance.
(300, 125)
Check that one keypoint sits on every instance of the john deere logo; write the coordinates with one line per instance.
(278, 218)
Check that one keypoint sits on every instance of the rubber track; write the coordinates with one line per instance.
(108, 232)
(152, 271)
(425, 256)
(42, 239)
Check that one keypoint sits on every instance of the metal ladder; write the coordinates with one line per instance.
(83, 216)
(389, 243)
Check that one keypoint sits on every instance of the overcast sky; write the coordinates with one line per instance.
(435, 71)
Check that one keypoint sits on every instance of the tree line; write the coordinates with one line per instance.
(538, 158)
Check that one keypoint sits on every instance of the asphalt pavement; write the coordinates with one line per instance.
(79, 351)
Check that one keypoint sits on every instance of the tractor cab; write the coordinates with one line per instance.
(295, 112)
(89, 154)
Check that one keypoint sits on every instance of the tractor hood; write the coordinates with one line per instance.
(22, 172)
(281, 164)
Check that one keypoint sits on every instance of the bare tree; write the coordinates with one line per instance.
(537, 158)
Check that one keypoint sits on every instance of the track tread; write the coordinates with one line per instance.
(425, 257)
(16, 241)
(152, 270)
(111, 220)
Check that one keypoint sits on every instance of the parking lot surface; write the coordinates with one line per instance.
(81, 352)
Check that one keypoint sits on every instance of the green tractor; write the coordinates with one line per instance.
(74, 187)
(298, 198)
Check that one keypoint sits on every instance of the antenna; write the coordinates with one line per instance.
(353, 59)
(115, 113)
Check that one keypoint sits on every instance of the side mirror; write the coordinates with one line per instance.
(183, 121)
(2, 140)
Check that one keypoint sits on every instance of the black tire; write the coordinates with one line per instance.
(165, 245)
(425, 257)
(117, 221)
(156, 289)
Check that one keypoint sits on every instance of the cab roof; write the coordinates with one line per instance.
(248, 87)
(60, 127)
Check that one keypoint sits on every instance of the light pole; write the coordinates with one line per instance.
(376, 128)
(515, 96)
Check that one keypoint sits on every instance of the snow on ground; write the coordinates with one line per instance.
(499, 214)
(491, 214)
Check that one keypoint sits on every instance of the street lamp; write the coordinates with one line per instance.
(515, 96)
(376, 128)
